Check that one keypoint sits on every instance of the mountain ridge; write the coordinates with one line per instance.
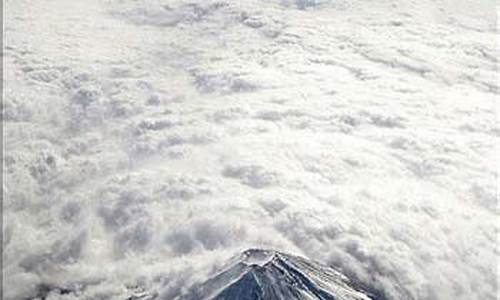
(267, 274)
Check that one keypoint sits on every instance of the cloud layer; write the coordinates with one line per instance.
(148, 141)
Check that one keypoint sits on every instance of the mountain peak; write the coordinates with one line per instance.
(259, 274)
(258, 257)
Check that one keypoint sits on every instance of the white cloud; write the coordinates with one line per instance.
(147, 142)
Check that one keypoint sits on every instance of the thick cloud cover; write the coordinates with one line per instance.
(148, 141)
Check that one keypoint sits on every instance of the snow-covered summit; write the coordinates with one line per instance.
(266, 274)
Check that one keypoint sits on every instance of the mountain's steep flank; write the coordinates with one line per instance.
(264, 274)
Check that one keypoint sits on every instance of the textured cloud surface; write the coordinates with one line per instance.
(148, 141)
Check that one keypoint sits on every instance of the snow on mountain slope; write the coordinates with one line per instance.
(147, 141)
(265, 274)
